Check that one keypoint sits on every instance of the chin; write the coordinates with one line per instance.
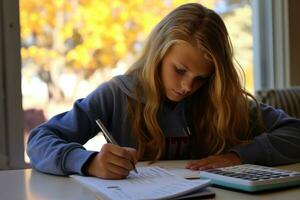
(175, 99)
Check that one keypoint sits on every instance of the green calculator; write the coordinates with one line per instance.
(252, 178)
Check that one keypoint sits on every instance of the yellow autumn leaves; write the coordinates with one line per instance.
(88, 34)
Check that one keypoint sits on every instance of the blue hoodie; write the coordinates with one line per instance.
(55, 147)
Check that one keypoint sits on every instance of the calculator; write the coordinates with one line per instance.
(252, 178)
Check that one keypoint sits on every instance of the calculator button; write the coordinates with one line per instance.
(265, 177)
(275, 176)
(284, 175)
(254, 179)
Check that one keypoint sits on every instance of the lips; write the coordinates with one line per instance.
(179, 93)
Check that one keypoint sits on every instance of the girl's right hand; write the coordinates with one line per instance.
(112, 162)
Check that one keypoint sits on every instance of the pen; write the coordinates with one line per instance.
(187, 131)
(109, 138)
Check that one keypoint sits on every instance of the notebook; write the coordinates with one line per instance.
(149, 183)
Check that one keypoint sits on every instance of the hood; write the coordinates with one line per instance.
(127, 84)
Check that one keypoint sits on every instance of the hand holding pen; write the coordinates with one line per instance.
(113, 161)
(109, 138)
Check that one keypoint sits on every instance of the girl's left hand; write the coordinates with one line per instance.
(214, 161)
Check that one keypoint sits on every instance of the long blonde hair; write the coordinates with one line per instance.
(224, 120)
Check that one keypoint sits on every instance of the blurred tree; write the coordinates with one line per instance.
(85, 35)
(89, 33)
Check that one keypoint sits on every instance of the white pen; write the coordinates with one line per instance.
(109, 138)
(187, 131)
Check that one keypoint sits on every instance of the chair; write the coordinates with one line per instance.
(287, 99)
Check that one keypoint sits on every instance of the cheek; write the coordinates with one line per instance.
(171, 79)
(166, 80)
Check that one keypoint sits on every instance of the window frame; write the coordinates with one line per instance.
(11, 135)
(3, 152)
(271, 44)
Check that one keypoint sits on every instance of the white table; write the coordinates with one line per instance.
(29, 184)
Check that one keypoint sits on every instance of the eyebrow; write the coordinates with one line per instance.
(201, 75)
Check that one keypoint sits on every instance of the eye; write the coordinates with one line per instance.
(180, 71)
(202, 79)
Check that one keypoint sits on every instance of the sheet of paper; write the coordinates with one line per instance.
(175, 167)
(185, 173)
(149, 183)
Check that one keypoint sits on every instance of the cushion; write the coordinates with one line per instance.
(287, 99)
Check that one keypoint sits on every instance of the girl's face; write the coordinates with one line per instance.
(184, 70)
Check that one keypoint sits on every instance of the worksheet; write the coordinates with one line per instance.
(148, 183)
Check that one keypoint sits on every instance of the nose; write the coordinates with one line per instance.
(186, 86)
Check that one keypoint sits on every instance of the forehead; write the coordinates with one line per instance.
(194, 59)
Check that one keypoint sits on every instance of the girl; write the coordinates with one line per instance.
(182, 99)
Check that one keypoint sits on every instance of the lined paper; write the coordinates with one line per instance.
(149, 183)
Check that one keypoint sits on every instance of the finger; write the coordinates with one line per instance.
(108, 156)
(111, 175)
(206, 167)
(127, 153)
(133, 153)
(199, 163)
(102, 168)
(121, 152)
(214, 164)
(125, 157)
(120, 161)
(118, 171)
(190, 162)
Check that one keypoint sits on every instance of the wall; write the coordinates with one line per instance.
(294, 37)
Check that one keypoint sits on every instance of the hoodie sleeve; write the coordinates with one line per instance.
(55, 147)
(280, 144)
